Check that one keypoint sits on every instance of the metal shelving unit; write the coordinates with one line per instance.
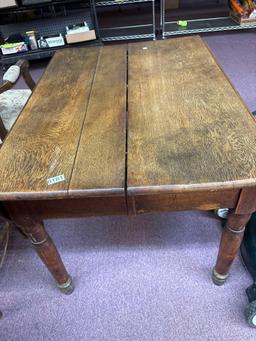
(51, 25)
(146, 31)
(119, 2)
(195, 26)
(22, 8)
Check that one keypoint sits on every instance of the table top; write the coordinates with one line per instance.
(138, 118)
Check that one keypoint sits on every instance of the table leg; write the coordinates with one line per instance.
(43, 244)
(231, 239)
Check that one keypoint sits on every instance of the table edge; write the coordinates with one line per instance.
(99, 192)
(16, 196)
(184, 188)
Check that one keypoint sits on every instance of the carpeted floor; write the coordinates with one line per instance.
(236, 54)
(137, 279)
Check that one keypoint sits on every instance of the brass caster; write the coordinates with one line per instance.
(68, 287)
(219, 279)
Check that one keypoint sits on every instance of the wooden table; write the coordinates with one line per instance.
(138, 128)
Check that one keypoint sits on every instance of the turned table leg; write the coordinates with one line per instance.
(233, 233)
(43, 245)
(231, 239)
(48, 253)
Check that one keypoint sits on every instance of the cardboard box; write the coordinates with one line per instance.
(7, 3)
(81, 36)
(171, 4)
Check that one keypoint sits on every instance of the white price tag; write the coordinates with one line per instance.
(55, 179)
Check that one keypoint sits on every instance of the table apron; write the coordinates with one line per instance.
(132, 205)
(73, 208)
(204, 200)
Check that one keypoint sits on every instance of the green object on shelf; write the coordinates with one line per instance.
(182, 23)
(9, 45)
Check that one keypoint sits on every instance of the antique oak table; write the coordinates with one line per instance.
(130, 129)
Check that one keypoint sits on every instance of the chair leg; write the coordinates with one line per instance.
(3, 131)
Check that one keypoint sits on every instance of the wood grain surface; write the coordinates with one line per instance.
(44, 139)
(187, 127)
(100, 164)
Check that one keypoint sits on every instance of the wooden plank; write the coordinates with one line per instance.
(44, 139)
(188, 130)
(100, 164)
(183, 201)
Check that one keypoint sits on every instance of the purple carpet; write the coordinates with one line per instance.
(237, 54)
(145, 278)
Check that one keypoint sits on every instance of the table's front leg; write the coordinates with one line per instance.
(233, 233)
(231, 239)
(44, 246)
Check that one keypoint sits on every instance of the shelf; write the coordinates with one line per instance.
(48, 26)
(126, 24)
(203, 25)
(23, 8)
(127, 33)
(100, 3)
(42, 53)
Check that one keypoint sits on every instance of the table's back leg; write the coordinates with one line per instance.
(44, 246)
(233, 233)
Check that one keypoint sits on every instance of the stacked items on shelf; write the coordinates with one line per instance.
(36, 29)
(16, 43)
(243, 11)
(79, 33)
(13, 44)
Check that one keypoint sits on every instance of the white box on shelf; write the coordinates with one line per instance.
(55, 41)
(51, 41)
(78, 28)
(7, 3)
